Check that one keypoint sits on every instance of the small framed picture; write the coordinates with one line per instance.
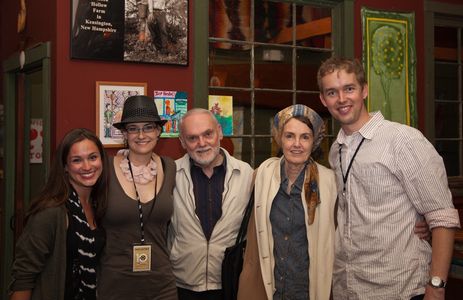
(110, 98)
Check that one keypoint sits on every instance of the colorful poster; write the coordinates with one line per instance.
(171, 105)
(222, 108)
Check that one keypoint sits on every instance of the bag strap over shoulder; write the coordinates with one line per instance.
(247, 213)
(245, 221)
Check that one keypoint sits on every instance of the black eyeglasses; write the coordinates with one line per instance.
(147, 128)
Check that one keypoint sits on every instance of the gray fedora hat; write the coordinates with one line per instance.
(139, 109)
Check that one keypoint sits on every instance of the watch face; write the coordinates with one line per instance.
(436, 281)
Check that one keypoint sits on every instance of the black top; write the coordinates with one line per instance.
(208, 195)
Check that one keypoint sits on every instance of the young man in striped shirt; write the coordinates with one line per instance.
(388, 176)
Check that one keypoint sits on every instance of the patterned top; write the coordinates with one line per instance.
(83, 248)
(396, 177)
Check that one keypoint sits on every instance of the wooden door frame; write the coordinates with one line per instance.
(37, 58)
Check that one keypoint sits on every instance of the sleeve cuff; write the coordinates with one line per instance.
(447, 217)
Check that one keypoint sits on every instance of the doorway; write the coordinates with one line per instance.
(25, 144)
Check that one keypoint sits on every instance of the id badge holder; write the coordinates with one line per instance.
(141, 257)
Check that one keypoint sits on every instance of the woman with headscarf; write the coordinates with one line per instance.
(290, 241)
(135, 263)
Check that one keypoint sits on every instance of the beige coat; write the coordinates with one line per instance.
(257, 279)
(196, 262)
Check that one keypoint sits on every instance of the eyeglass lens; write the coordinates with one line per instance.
(146, 128)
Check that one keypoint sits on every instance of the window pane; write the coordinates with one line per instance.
(307, 64)
(237, 147)
(273, 68)
(447, 120)
(313, 26)
(449, 150)
(446, 81)
(229, 67)
(229, 19)
(271, 18)
(267, 105)
(270, 76)
(445, 43)
(312, 100)
(265, 148)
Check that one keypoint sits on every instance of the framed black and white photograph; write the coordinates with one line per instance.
(144, 31)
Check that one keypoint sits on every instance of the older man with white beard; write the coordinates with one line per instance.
(211, 192)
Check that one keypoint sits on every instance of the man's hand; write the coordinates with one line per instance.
(422, 230)
(434, 294)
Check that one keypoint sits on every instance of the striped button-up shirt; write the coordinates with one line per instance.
(396, 177)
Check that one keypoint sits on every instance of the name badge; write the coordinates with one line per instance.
(141, 258)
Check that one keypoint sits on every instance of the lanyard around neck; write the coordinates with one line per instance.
(142, 230)
(344, 177)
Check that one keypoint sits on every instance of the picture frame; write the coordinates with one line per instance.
(389, 58)
(110, 98)
(171, 106)
(152, 31)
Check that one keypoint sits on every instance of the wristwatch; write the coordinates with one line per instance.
(436, 282)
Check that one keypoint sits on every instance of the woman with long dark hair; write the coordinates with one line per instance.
(56, 255)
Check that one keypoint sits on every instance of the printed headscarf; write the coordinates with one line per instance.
(311, 179)
(283, 116)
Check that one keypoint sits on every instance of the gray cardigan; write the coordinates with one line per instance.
(40, 260)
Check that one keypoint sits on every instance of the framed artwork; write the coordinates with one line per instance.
(222, 108)
(389, 59)
(110, 98)
(151, 31)
(171, 106)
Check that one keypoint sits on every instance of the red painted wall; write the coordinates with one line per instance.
(39, 26)
(399, 6)
(75, 81)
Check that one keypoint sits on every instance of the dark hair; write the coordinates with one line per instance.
(57, 188)
(336, 64)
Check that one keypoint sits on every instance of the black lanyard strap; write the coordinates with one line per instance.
(344, 177)
(142, 230)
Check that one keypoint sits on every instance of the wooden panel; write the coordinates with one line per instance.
(304, 31)
(441, 53)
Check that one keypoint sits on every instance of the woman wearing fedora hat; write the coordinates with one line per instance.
(135, 263)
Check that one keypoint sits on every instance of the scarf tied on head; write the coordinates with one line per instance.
(311, 180)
